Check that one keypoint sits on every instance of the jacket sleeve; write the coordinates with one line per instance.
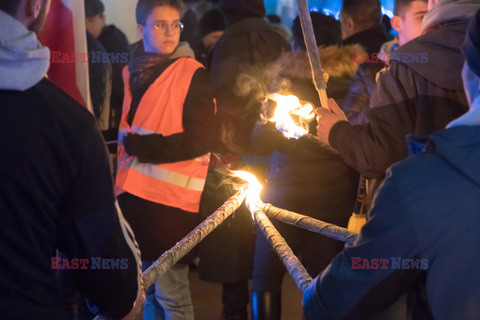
(373, 147)
(357, 100)
(200, 126)
(92, 228)
(364, 279)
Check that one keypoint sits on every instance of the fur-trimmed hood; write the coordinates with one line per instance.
(336, 62)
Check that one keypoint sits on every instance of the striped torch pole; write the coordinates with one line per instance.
(184, 246)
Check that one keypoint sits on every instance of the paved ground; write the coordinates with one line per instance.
(207, 299)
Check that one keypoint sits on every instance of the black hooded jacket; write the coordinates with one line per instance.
(357, 101)
(239, 63)
(300, 171)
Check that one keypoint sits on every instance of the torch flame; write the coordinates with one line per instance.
(291, 116)
(253, 191)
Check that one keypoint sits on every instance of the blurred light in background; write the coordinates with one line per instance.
(122, 12)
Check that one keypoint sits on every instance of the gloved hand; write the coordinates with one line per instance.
(131, 142)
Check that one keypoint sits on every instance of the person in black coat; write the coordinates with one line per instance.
(99, 68)
(212, 25)
(303, 177)
(56, 192)
(115, 42)
(361, 24)
(238, 66)
(239, 61)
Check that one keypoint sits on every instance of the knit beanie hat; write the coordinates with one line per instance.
(212, 21)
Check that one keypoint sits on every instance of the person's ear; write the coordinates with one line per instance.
(140, 30)
(33, 8)
(88, 23)
(397, 23)
(351, 25)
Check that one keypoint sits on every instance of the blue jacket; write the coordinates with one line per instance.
(425, 226)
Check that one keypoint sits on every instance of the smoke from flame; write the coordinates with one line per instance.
(291, 116)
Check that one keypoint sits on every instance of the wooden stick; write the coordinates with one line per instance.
(288, 258)
(310, 224)
(312, 50)
(184, 246)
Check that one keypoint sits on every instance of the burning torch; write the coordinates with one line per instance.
(262, 211)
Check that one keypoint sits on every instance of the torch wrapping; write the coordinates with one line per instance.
(291, 262)
(312, 50)
(311, 224)
(172, 256)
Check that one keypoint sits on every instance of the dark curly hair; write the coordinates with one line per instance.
(327, 30)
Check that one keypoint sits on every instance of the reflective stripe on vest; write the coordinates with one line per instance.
(163, 174)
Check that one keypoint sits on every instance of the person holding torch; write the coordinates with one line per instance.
(302, 177)
(422, 238)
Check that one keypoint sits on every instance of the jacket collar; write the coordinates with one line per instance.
(371, 39)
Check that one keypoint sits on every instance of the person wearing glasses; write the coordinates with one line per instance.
(166, 132)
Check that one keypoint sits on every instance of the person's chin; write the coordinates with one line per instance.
(168, 49)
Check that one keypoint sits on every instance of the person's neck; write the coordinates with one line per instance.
(364, 28)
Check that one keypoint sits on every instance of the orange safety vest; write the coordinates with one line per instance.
(178, 184)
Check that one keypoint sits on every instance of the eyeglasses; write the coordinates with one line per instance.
(162, 26)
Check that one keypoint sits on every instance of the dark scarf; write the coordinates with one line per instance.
(142, 65)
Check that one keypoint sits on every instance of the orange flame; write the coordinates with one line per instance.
(253, 191)
(291, 116)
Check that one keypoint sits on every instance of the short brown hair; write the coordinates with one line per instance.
(363, 12)
(402, 5)
(145, 8)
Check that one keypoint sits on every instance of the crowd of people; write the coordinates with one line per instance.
(397, 160)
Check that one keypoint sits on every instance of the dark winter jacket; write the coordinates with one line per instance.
(56, 192)
(410, 97)
(232, 261)
(357, 101)
(114, 41)
(238, 69)
(300, 172)
(100, 73)
(425, 224)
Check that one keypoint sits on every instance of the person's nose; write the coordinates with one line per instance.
(169, 30)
